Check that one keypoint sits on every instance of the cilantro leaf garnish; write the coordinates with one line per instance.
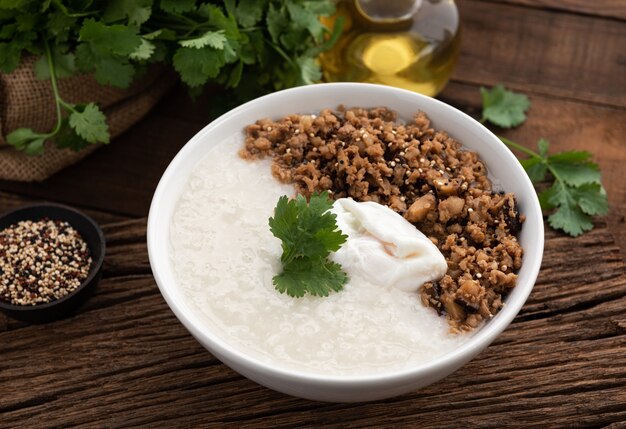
(576, 193)
(503, 107)
(309, 234)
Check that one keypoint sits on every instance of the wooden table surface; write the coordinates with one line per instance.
(125, 360)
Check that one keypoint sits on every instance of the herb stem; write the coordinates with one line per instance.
(281, 52)
(519, 147)
(55, 89)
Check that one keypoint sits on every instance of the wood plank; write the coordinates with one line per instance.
(125, 360)
(615, 9)
(542, 51)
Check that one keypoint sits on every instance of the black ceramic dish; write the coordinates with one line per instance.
(91, 233)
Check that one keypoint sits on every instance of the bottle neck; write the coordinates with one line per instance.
(387, 11)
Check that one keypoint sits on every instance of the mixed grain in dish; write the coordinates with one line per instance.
(422, 174)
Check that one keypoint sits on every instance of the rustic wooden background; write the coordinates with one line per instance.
(125, 360)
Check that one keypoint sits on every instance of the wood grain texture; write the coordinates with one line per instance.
(125, 360)
(543, 51)
(615, 9)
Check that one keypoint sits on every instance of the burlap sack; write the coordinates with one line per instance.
(28, 102)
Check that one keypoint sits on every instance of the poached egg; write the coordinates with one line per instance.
(385, 248)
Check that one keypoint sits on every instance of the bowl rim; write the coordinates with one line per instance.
(474, 345)
(94, 269)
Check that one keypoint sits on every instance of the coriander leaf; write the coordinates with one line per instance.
(196, 66)
(26, 22)
(283, 223)
(214, 39)
(571, 219)
(10, 56)
(249, 12)
(575, 174)
(305, 18)
(535, 168)
(571, 156)
(144, 51)
(60, 26)
(113, 71)
(216, 17)
(309, 233)
(178, 6)
(276, 23)
(543, 145)
(235, 75)
(137, 11)
(114, 39)
(545, 198)
(35, 147)
(316, 277)
(27, 140)
(591, 199)
(568, 216)
(309, 71)
(64, 65)
(21, 136)
(90, 123)
(68, 139)
(502, 107)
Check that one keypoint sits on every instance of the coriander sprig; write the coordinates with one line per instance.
(86, 124)
(309, 234)
(576, 193)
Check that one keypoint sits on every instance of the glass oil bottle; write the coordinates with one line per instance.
(411, 44)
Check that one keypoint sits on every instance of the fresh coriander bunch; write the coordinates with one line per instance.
(249, 47)
(575, 192)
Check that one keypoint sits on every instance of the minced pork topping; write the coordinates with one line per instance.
(421, 173)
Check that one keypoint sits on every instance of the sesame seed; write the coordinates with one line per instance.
(505, 267)
(311, 135)
(479, 275)
(392, 163)
(470, 209)
(288, 150)
(403, 198)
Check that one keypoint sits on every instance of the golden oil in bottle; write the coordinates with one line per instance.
(411, 44)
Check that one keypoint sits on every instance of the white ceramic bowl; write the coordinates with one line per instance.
(501, 163)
